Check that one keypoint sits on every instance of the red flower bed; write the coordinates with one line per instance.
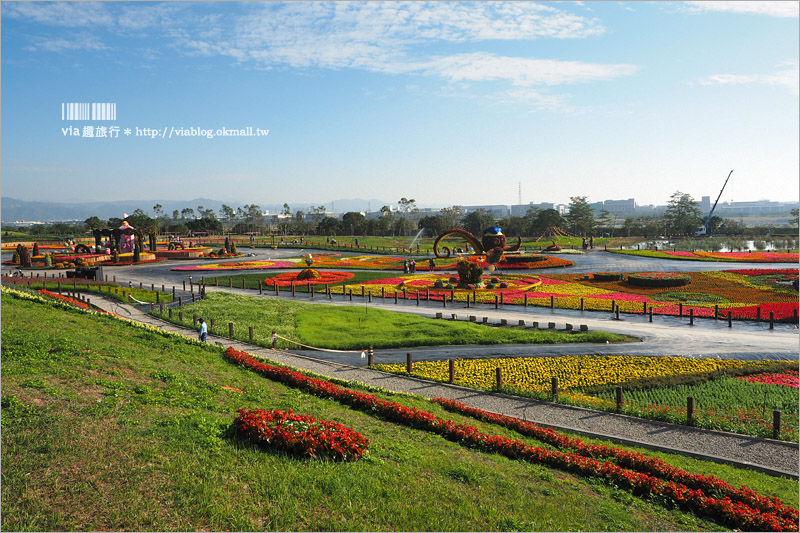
(635, 461)
(301, 435)
(65, 299)
(727, 512)
(788, 378)
(763, 271)
(326, 278)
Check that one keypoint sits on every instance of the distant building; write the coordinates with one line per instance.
(498, 211)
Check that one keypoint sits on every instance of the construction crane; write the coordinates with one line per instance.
(703, 230)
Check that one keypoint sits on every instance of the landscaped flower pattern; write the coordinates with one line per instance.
(301, 435)
(572, 371)
(326, 278)
(242, 265)
(742, 257)
(726, 511)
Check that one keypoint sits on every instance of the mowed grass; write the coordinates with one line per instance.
(110, 427)
(355, 327)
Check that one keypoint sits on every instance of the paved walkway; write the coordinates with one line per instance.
(774, 457)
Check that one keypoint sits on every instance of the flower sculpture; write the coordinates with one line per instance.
(492, 244)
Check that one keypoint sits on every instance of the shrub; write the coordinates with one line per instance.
(659, 279)
(233, 249)
(438, 284)
(607, 276)
(469, 272)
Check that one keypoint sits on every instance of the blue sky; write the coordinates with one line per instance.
(448, 103)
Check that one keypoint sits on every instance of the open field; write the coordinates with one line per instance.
(131, 430)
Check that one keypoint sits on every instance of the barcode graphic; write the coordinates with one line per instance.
(88, 111)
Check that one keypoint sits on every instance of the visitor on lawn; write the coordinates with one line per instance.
(203, 330)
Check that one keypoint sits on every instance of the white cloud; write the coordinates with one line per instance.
(60, 13)
(80, 42)
(787, 77)
(782, 9)
(523, 72)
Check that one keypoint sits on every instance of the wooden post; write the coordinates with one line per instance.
(771, 320)
(184, 285)
(311, 290)
(452, 369)
(444, 300)
(581, 303)
(180, 299)
(496, 306)
(691, 316)
(644, 308)
(211, 325)
(651, 313)
(617, 313)
(369, 298)
(250, 328)
(758, 312)
(351, 294)
(427, 294)
(152, 287)
(292, 284)
(230, 283)
(170, 313)
(776, 424)
(613, 305)
(230, 329)
(716, 310)
(370, 356)
(552, 302)
(680, 308)
(526, 299)
(689, 410)
(395, 297)
(194, 320)
(274, 339)
(180, 316)
(501, 298)
(260, 288)
(362, 291)
(554, 388)
(619, 398)
(730, 321)
(243, 283)
(383, 293)
(216, 282)
(158, 297)
(192, 297)
(417, 293)
(499, 375)
(409, 362)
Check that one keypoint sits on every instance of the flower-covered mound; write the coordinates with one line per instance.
(738, 257)
(743, 513)
(301, 435)
(325, 278)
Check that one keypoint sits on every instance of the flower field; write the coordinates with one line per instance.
(737, 508)
(740, 257)
(326, 277)
(788, 378)
(725, 403)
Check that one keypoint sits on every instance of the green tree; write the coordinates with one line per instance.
(450, 216)
(286, 210)
(227, 213)
(434, 225)
(477, 221)
(187, 213)
(94, 223)
(580, 216)
(682, 215)
(539, 220)
(329, 226)
(793, 220)
(353, 222)
(406, 205)
(603, 221)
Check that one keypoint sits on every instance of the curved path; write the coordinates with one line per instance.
(766, 455)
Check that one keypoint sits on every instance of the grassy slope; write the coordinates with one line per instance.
(356, 327)
(129, 430)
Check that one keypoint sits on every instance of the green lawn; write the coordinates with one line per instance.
(356, 327)
(130, 429)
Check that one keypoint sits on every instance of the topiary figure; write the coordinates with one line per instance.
(15, 257)
(48, 260)
(35, 249)
(468, 272)
(25, 257)
(233, 249)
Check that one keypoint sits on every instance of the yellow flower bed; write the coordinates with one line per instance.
(573, 372)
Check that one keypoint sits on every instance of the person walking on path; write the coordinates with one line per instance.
(203, 330)
(412, 266)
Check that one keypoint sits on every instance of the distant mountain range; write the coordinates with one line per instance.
(14, 210)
